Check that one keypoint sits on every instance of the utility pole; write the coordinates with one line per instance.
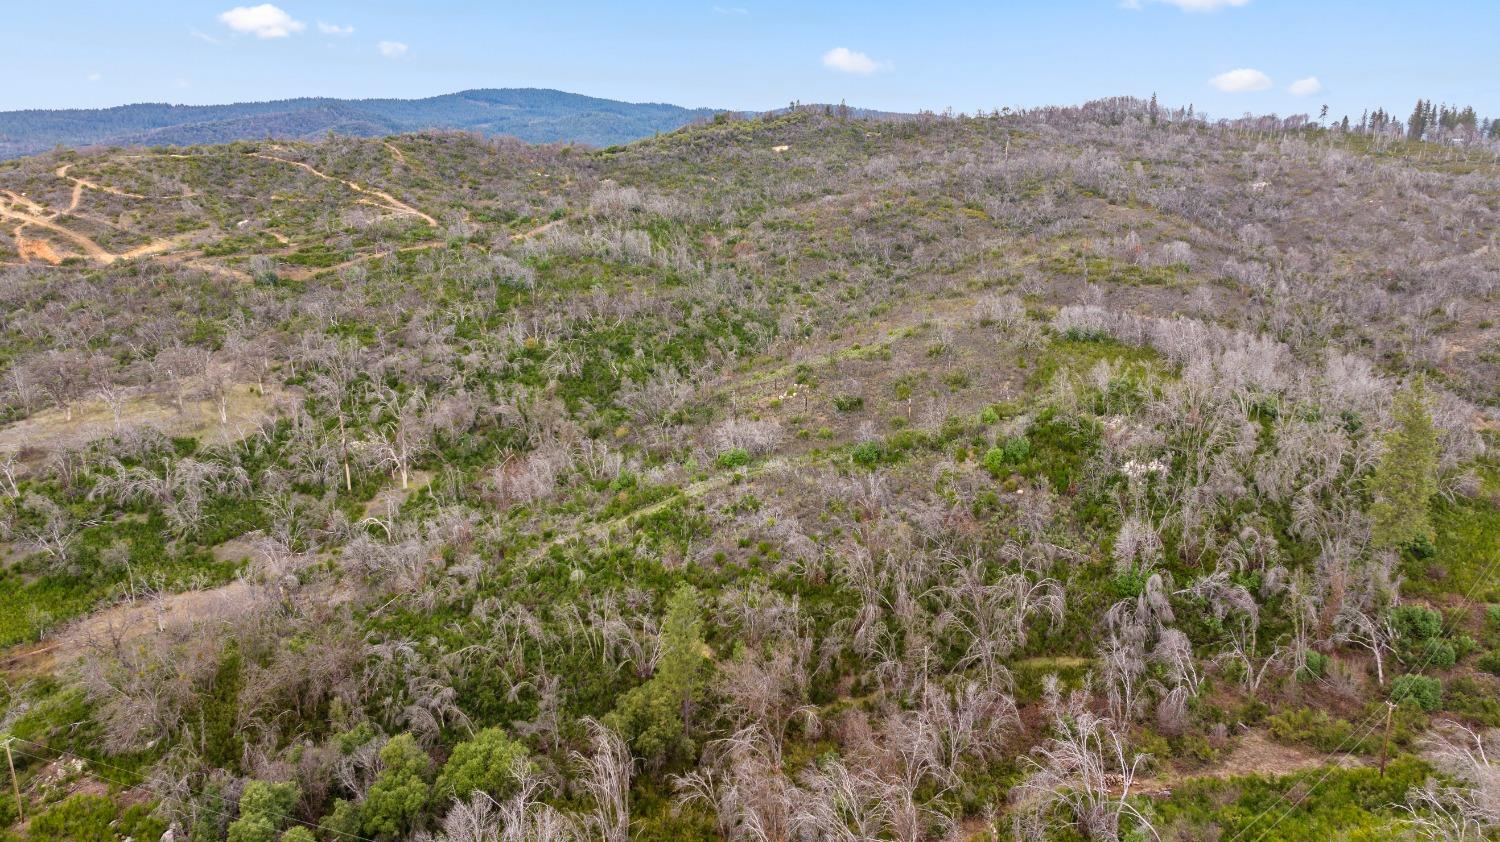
(344, 453)
(15, 785)
(1385, 741)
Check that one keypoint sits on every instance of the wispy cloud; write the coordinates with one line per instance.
(731, 10)
(1305, 87)
(334, 29)
(203, 36)
(94, 77)
(391, 49)
(1187, 5)
(846, 60)
(1241, 80)
(263, 21)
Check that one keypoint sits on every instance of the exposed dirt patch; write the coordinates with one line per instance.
(15, 212)
(386, 503)
(29, 249)
(540, 229)
(51, 430)
(129, 621)
(1254, 754)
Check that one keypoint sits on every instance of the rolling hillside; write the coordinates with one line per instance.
(1086, 473)
(532, 115)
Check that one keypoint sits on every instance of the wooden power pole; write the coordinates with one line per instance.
(15, 785)
(1385, 741)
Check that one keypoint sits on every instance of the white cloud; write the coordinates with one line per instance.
(263, 21)
(391, 49)
(1243, 79)
(203, 36)
(731, 10)
(334, 29)
(1305, 87)
(846, 60)
(1188, 5)
(94, 77)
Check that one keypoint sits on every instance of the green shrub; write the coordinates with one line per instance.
(401, 791)
(1415, 623)
(1350, 804)
(1438, 654)
(488, 762)
(1316, 666)
(737, 457)
(1492, 625)
(1476, 697)
(94, 818)
(1464, 646)
(1425, 691)
(264, 810)
(1420, 548)
(848, 403)
(1489, 662)
(342, 822)
(868, 454)
(1013, 451)
(1420, 632)
(1314, 727)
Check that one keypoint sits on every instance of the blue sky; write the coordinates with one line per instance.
(1225, 56)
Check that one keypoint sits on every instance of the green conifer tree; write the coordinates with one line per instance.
(1406, 478)
(656, 717)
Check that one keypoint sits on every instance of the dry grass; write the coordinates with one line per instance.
(132, 621)
(52, 430)
(1253, 754)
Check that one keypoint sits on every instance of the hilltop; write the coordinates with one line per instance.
(529, 114)
(1042, 475)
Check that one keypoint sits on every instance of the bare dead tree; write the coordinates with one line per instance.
(606, 778)
(1467, 810)
(995, 618)
(1369, 629)
(1081, 777)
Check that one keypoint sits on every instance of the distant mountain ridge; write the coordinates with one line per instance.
(532, 114)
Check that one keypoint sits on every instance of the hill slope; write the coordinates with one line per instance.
(533, 115)
(920, 476)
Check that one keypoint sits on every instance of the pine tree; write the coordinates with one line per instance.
(1416, 126)
(656, 716)
(1406, 479)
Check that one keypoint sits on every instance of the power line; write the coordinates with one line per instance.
(1372, 722)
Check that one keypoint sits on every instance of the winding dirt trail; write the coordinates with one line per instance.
(537, 231)
(26, 212)
(90, 248)
(395, 150)
(391, 202)
(80, 184)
